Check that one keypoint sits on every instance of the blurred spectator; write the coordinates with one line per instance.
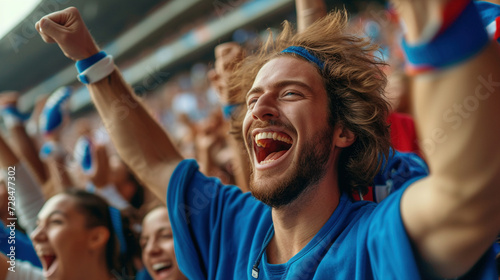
(158, 246)
(75, 236)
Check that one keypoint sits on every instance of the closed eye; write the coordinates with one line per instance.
(56, 221)
(166, 233)
(251, 102)
(292, 95)
(167, 236)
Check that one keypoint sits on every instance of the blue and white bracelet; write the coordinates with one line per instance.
(51, 149)
(95, 68)
(463, 37)
(12, 117)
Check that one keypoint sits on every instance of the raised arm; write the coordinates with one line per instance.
(452, 216)
(227, 56)
(27, 191)
(22, 143)
(141, 142)
(308, 11)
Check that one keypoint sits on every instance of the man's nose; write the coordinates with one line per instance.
(265, 108)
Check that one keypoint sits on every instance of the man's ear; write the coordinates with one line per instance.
(343, 136)
(98, 238)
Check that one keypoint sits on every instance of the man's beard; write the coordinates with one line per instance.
(306, 174)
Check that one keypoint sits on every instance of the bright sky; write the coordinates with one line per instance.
(14, 11)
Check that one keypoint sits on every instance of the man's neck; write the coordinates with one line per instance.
(296, 224)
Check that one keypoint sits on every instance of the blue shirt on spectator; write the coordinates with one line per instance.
(222, 233)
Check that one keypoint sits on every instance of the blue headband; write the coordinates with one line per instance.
(305, 54)
(116, 221)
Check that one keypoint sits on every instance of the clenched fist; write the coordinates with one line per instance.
(227, 55)
(67, 29)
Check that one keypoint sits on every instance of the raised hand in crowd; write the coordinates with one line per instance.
(23, 145)
(140, 141)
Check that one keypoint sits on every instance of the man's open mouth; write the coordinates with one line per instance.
(271, 145)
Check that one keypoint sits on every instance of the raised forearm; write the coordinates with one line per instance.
(456, 109)
(7, 157)
(28, 194)
(58, 173)
(27, 151)
(452, 216)
(241, 166)
(140, 141)
(308, 11)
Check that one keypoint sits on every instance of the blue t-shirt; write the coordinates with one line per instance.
(220, 232)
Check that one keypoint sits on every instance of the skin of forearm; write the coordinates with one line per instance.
(27, 151)
(7, 157)
(452, 216)
(205, 161)
(459, 132)
(421, 18)
(101, 161)
(4, 266)
(59, 174)
(140, 141)
(308, 11)
(242, 164)
(464, 160)
(455, 108)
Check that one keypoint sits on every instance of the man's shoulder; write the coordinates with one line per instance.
(352, 215)
(365, 216)
(361, 209)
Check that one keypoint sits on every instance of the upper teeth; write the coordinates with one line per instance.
(158, 266)
(274, 136)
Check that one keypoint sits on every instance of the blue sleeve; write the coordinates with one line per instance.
(209, 220)
(390, 249)
(22, 244)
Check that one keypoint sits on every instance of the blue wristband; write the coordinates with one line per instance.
(12, 111)
(50, 149)
(82, 65)
(460, 41)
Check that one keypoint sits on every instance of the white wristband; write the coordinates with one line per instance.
(97, 71)
(11, 121)
(51, 149)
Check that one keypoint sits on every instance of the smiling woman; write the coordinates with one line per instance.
(74, 238)
(158, 246)
(13, 12)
